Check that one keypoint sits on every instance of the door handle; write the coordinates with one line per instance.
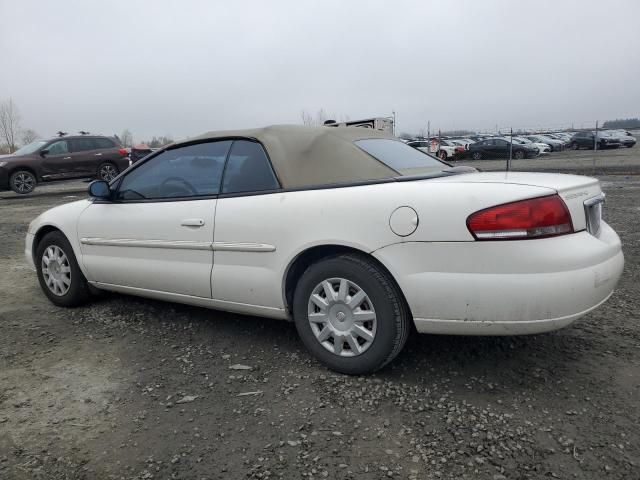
(192, 222)
(97, 154)
(66, 158)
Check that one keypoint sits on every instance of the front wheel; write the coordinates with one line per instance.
(574, 146)
(519, 155)
(350, 315)
(107, 171)
(476, 156)
(22, 182)
(442, 155)
(59, 275)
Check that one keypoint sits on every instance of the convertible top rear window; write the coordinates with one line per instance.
(399, 156)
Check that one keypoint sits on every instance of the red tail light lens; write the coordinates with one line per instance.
(123, 151)
(535, 218)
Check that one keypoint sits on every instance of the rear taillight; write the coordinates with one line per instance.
(535, 218)
(123, 152)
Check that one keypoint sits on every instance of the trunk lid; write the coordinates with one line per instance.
(575, 190)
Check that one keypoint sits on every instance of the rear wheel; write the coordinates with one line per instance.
(350, 315)
(107, 171)
(59, 275)
(476, 155)
(22, 182)
(574, 146)
(442, 155)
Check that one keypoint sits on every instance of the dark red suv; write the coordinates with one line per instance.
(62, 158)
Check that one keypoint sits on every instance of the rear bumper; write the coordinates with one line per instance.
(505, 288)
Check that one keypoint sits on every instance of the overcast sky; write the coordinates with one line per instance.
(185, 67)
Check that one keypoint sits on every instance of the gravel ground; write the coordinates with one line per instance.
(138, 389)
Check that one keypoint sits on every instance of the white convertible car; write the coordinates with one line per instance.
(352, 234)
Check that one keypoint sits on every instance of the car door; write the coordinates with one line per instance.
(156, 233)
(501, 148)
(86, 156)
(57, 161)
(244, 245)
(489, 148)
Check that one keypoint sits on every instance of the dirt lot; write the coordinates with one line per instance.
(133, 388)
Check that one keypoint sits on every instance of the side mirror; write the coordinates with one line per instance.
(99, 189)
(44, 151)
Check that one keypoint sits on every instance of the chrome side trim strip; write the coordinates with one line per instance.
(180, 244)
(129, 242)
(243, 247)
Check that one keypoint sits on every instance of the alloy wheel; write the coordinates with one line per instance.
(342, 317)
(24, 182)
(108, 172)
(56, 270)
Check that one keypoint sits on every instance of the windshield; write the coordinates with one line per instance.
(401, 157)
(30, 148)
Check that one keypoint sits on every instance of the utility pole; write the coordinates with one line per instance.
(595, 147)
(429, 130)
(510, 150)
(394, 121)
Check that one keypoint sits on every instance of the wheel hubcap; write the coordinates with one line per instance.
(24, 182)
(56, 270)
(342, 317)
(108, 173)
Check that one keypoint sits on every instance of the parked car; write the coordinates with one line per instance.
(499, 148)
(450, 149)
(565, 139)
(589, 139)
(555, 144)
(336, 230)
(543, 148)
(62, 158)
(139, 151)
(626, 139)
(445, 149)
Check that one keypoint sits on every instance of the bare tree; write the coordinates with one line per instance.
(319, 119)
(126, 137)
(29, 135)
(9, 124)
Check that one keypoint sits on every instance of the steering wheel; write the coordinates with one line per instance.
(184, 187)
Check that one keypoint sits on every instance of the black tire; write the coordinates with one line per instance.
(78, 291)
(22, 182)
(107, 171)
(476, 155)
(575, 146)
(519, 155)
(442, 155)
(393, 320)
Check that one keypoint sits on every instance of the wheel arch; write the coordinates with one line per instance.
(18, 168)
(307, 257)
(39, 235)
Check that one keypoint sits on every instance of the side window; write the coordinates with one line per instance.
(190, 171)
(83, 144)
(58, 148)
(103, 143)
(248, 169)
(501, 143)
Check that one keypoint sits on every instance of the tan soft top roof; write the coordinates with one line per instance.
(306, 156)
